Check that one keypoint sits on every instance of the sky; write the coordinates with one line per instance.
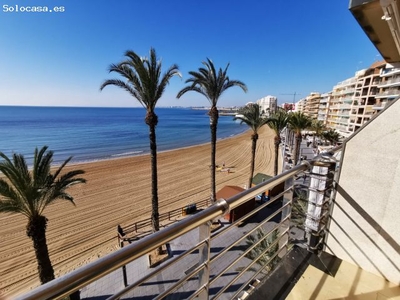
(276, 48)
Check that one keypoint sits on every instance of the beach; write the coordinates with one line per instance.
(118, 191)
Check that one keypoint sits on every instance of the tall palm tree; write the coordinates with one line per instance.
(252, 117)
(30, 192)
(298, 122)
(277, 122)
(211, 84)
(144, 81)
(318, 127)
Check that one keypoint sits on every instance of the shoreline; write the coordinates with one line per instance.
(116, 156)
(118, 191)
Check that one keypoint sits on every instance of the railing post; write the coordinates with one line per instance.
(321, 183)
(204, 257)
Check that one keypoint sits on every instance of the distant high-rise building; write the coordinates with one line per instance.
(354, 101)
(301, 105)
(312, 105)
(323, 107)
(268, 104)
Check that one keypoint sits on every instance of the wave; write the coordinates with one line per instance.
(127, 153)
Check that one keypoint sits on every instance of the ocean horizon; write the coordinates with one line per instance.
(99, 133)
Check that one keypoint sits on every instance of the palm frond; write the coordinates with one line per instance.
(210, 83)
(144, 80)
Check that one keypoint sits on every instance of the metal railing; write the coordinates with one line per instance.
(206, 278)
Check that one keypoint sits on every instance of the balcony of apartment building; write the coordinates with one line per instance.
(333, 114)
(347, 100)
(379, 105)
(367, 91)
(389, 93)
(390, 82)
(345, 106)
(323, 107)
(334, 106)
(318, 236)
(374, 83)
(351, 247)
(390, 72)
(323, 100)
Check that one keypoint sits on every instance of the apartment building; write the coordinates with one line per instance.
(340, 103)
(323, 107)
(312, 105)
(354, 101)
(365, 96)
(388, 86)
(268, 104)
(301, 105)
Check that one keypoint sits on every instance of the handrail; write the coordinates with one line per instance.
(81, 277)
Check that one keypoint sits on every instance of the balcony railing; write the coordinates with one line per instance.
(388, 93)
(391, 71)
(390, 82)
(197, 271)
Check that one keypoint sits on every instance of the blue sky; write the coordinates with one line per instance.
(275, 47)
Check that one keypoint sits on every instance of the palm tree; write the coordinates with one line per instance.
(252, 117)
(331, 135)
(260, 251)
(318, 127)
(277, 122)
(211, 85)
(144, 81)
(30, 192)
(299, 209)
(298, 122)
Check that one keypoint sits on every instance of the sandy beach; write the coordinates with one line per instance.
(119, 192)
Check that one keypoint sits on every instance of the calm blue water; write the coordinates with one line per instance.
(90, 134)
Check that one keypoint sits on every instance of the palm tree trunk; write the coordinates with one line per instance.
(296, 153)
(36, 230)
(152, 120)
(277, 141)
(213, 127)
(254, 139)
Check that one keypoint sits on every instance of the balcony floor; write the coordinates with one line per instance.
(305, 276)
(349, 282)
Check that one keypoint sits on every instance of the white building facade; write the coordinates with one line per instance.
(268, 104)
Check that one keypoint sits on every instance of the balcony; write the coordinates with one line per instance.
(390, 72)
(345, 106)
(379, 105)
(390, 82)
(213, 262)
(348, 100)
(206, 263)
(392, 93)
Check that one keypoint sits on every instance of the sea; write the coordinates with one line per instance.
(92, 133)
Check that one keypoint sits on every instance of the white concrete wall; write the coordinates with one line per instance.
(365, 225)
